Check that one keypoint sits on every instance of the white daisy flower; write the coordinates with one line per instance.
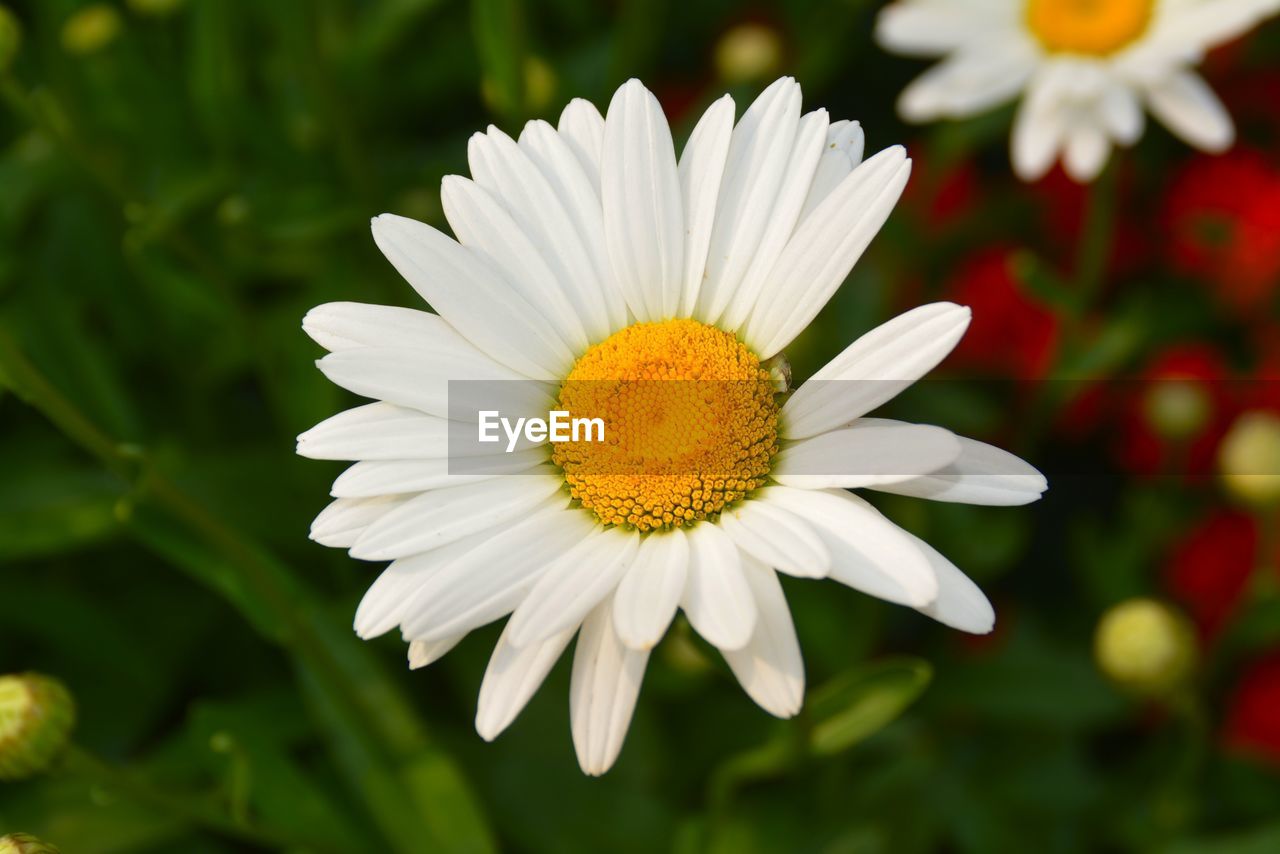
(587, 251)
(1084, 68)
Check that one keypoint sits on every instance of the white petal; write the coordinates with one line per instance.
(341, 523)
(383, 604)
(866, 453)
(783, 215)
(868, 552)
(475, 300)
(1041, 124)
(1187, 29)
(1187, 106)
(769, 667)
(843, 152)
(701, 171)
(649, 593)
(982, 474)
(602, 695)
(492, 579)
(936, 28)
(512, 678)
(777, 538)
(717, 599)
(824, 249)
(1087, 150)
(1122, 114)
(643, 209)
(759, 150)
(1037, 137)
(483, 225)
(970, 81)
(376, 431)
(606, 309)
(573, 585)
(582, 127)
(874, 369)
(339, 326)
(442, 516)
(422, 653)
(960, 603)
(421, 378)
(396, 477)
(568, 243)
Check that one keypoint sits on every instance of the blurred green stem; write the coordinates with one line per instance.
(79, 764)
(416, 793)
(1097, 239)
(1093, 256)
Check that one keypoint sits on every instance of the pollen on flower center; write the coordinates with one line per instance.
(1092, 27)
(691, 425)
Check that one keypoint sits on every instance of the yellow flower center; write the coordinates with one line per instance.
(690, 425)
(1092, 27)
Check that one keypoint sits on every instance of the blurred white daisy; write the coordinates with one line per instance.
(1084, 68)
(589, 252)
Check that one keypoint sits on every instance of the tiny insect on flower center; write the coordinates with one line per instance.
(691, 425)
(1089, 27)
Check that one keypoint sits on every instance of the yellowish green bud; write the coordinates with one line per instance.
(10, 38)
(1249, 459)
(1145, 647)
(36, 715)
(25, 843)
(539, 86)
(747, 53)
(1177, 409)
(539, 83)
(91, 29)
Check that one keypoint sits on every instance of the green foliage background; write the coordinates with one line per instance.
(171, 205)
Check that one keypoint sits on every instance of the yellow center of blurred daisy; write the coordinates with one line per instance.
(1093, 27)
(690, 425)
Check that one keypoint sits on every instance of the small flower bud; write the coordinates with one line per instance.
(539, 83)
(25, 843)
(1145, 647)
(10, 37)
(748, 52)
(539, 87)
(36, 714)
(1249, 458)
(91, 29)
(1177, 408)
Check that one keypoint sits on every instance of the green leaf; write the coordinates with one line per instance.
(1043, 283)
(1260, 840)
(858, 704)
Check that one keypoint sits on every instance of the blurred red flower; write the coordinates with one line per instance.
(1253, 712)
(1011, 334)
(1208, 570)
(941, 197)
(1222, 216)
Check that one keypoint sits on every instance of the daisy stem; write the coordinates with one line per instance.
(196, 811)
(414, 791)
(1097, 238)
(1093, 254)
